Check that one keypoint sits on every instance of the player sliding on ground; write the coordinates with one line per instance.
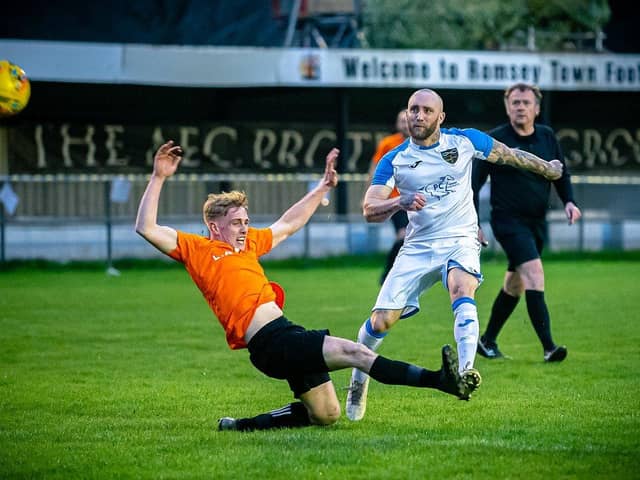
(225, 268)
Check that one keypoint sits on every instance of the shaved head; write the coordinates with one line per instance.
(429, 92)
(425, 115)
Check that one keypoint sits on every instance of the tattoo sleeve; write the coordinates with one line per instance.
(379, 213)
(503, 155)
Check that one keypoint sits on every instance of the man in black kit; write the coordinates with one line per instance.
(519, 202)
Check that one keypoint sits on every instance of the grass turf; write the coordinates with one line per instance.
(124, 377)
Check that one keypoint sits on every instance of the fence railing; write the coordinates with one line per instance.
(77, 217)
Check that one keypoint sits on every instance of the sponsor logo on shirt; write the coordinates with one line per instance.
(443, 187)
(216, 258)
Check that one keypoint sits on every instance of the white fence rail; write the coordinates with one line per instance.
(74, 217)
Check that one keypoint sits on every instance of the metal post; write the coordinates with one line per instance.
(107, 209)
(4, 170)
(342, 122)
(581, 222)
(531, 39)
(293, 20)
(2, 257)
(307, 242)
(600, 37)
(108, 224)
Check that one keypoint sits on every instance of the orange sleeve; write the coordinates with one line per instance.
(187, 244)
(381, 149)
(263, 238)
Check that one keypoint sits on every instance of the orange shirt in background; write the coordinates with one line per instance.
(385, 145)
(233, 283)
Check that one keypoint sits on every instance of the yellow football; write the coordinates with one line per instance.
(14, 89)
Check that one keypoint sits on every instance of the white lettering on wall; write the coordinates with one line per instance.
(356, 139)
(291, 144)
(591, 149)
(263, 149)
(263, 145)
(112, 144)
(40, 148)
(157, 139)
(208, 145)
(85, 140)
(315, 143)
(189, 150)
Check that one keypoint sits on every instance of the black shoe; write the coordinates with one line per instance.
(471, 380)
(489, 349)
(450, 381)
(557, 354)
(227, 423)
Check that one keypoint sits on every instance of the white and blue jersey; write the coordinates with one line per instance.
(442, 172)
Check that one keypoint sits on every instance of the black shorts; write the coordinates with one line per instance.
(521, 239)
(287, 351)
(400, 220)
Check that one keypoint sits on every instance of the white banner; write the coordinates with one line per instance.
(464, 70)
(268, 67)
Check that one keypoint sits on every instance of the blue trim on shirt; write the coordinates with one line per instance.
(480, 140)
(425, 147)
(384, 169)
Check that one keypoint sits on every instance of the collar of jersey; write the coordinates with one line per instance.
(223, 245)
(421, 147)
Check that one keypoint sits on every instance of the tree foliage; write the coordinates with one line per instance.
(490, 24)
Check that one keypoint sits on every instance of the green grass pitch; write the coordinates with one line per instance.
(125, 377)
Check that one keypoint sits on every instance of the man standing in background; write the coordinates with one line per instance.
(519, 202)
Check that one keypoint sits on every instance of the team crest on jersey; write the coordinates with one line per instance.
(450, 156)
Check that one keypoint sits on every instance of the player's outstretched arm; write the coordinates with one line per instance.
(299, 213)
(502, 155)
(165, 163)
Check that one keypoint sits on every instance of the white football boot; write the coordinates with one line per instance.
(357, 397)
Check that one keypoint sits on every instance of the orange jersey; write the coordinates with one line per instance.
(387, 144)
(233, 283)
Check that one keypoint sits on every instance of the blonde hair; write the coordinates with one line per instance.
(218, 204)
(523, 87)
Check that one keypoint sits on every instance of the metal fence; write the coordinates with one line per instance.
(78, 217)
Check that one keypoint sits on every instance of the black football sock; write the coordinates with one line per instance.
(290, 416)
(503, 307)
(539, 315)
(391, 257)
(394, 372)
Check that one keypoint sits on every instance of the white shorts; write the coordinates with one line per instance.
(414, 272)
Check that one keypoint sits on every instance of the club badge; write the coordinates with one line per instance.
(450, 156)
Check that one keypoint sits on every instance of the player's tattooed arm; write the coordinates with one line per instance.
(379, 213)
(502, 155)
(377, 206)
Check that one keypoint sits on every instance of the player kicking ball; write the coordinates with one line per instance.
(432, 172)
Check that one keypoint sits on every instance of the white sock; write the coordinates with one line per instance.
(466, 331)
(372, 339)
